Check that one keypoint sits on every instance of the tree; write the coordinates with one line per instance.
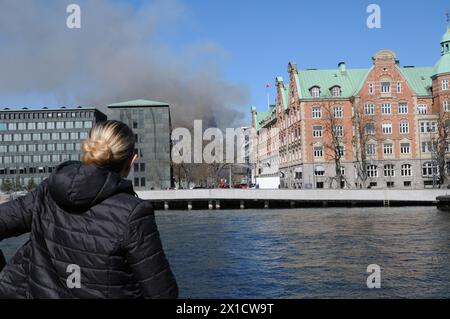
(31, 185)
(6, 186)
(440, 147)
(334, 141)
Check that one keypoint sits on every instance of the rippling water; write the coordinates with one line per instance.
(306, 253)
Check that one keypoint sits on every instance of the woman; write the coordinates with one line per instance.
(90, 235)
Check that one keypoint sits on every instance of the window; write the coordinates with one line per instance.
(59, 125)
(386, 109)
(50, 125)
(429, 169)
(318, 151)
(336, 91)
(387, 128)
(371, 149)
(341, 151)
(316, 112)
(402, 108)
(428, 127)
(370, 129)
(338, 112)
(390, 184)
(372, 171)
(136, 181)
(319, 171)
(399, 87)
(338, 130)
(407, 184)
(317, 131)
(369, 109)
(404, 127)
(406, 170)
(422, 109)
(370, 88)
(445, 85)
(446, 106)
(405, 148)
(142, 181)
(87, 124)
(388, 149)
(389, 170)
(428, 147)
(142, 167)
(385, 87)
(315, 91)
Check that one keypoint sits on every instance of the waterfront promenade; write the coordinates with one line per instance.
(279, 198)
(264, 198)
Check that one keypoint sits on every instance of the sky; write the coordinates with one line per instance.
(224, 51)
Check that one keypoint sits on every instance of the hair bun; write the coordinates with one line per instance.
(96, 152)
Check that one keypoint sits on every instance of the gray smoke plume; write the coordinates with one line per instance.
(115, 56)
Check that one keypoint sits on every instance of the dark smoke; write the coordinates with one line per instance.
(115, 56)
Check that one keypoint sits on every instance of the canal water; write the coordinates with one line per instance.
(306, 253)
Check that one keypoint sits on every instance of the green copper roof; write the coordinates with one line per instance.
(419, 79)
(349, 81)
(443, 65)
(138, 103)
(446, 36)
(260, 117)
(263, 116)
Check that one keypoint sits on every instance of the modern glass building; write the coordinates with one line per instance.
(151, 123)
(34, 141)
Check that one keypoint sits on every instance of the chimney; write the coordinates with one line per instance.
(292, 67)
(342, 67)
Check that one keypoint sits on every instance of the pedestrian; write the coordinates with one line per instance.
(91, 236)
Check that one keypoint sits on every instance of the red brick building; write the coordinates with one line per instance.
(382, 127)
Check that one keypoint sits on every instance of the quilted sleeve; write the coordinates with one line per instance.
(145, 254)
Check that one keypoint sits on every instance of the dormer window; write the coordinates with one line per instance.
(315, 91)
(336, 91)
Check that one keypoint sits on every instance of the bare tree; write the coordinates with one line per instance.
(440, 146)
(360, 141)
(334, 140)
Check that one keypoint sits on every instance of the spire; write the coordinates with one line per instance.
(447, 14)
(443, 65)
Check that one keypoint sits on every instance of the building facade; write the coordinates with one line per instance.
(34, 141)
(382, 127)
(151, 123)
(266, 147)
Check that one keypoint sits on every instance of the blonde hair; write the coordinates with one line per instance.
(109, 144)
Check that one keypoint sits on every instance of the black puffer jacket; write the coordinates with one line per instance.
(89, 217)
